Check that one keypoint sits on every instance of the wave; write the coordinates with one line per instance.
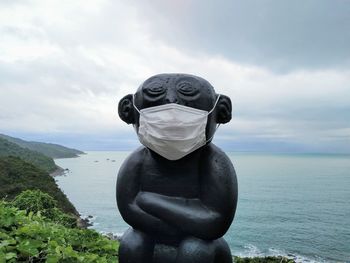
(251, 251)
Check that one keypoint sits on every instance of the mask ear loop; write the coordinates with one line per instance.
(218, 125)
(216, 102)
(133, 103)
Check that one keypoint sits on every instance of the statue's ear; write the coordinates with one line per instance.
(223, 110)
(126, 109)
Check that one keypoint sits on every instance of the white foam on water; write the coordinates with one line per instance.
(251, 251)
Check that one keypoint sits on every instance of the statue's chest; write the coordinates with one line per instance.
(171, 181)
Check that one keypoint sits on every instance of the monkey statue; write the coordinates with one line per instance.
(178, 192)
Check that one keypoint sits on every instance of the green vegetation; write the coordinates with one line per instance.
(36, 201)
(37, 221)
(8, 148)
(48, 149)
(269, 259)
(31, 237)
(17, 175)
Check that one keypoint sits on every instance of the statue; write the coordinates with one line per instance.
(179, 192)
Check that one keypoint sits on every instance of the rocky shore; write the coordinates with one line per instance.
(59, 172)
(268, 259)
(82, 221)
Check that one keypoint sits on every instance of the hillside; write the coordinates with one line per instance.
(29, 237)
(48, 149)
(17, 175)
(8, 148)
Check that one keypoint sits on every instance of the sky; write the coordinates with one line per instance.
(64, 65)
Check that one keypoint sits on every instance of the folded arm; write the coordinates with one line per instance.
(127, 190)
(206, 217)
(189, 215)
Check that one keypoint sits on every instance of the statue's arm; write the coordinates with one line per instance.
(128, 186)
(209, 216)
(191, 216)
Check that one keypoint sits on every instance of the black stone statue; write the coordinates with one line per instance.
(179, 193)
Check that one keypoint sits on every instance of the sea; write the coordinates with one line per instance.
(296, 205)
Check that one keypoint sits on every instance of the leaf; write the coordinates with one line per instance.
(2, 257)
(7, 242)
(28, 249)
(4, 235)
(10, 255)
(7, 220)
(52, 258)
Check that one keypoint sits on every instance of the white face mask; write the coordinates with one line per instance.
(173, 130)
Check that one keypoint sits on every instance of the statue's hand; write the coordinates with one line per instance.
(163, 206)
(158, 205)
(147, 203)
(145, 200)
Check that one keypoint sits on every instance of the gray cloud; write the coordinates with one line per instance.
(280, 35)
(63, 68)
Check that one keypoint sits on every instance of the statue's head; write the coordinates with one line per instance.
(182, 89)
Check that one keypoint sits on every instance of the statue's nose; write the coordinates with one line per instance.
(171, 98)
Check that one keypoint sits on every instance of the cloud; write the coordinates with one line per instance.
(64, 66)
(279, 35)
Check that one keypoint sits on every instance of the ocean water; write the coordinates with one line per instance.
(296, 205)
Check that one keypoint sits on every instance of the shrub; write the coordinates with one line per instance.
(28, 237)
(36, 201)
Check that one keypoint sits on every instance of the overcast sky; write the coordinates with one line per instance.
(64, 65)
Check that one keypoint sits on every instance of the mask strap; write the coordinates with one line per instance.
(216, 102)
(133, 103)
(217, 127)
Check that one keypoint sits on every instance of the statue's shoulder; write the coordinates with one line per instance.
(216, 160)
(134, 160)
(138, 155)
(213, 153)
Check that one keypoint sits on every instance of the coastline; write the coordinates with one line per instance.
(61, 171)
(82, 221)
(58, 172)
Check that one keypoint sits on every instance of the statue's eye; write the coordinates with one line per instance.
(186, 88)
(154, 89)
